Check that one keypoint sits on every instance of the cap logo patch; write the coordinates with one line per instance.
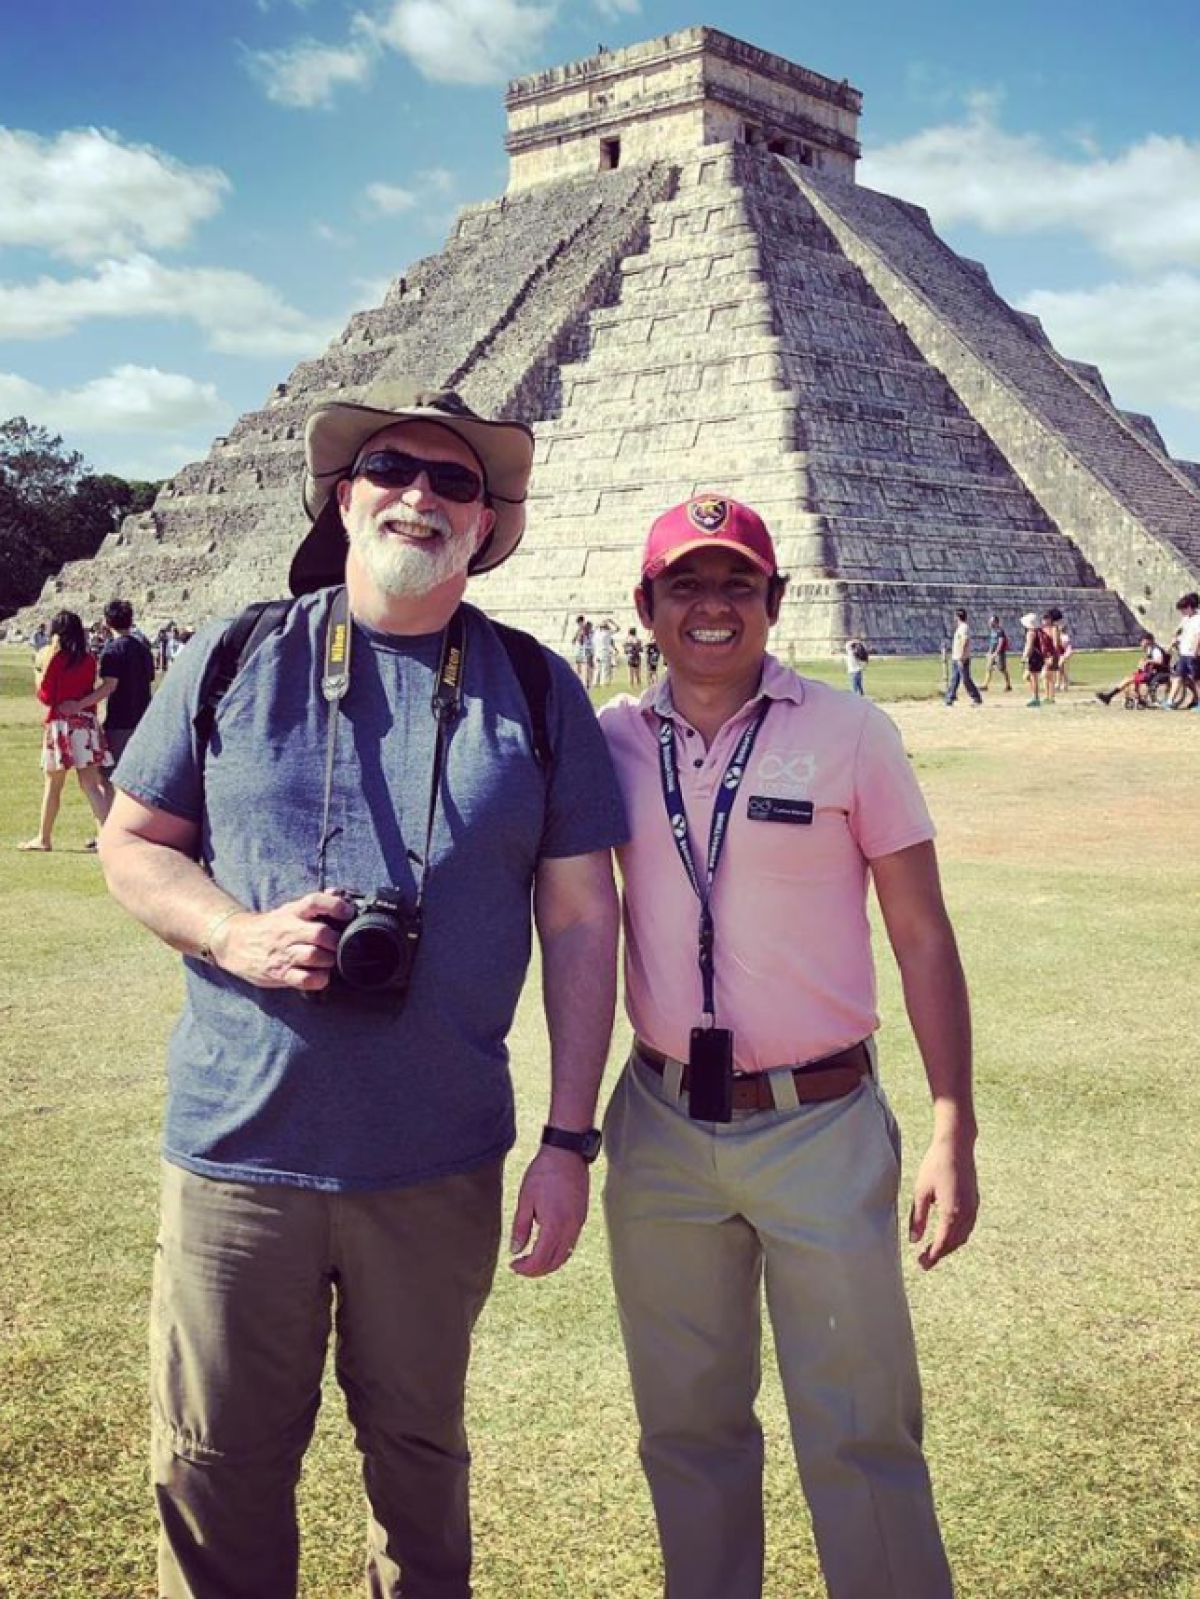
(708, 515)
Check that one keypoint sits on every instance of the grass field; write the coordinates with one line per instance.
(1061, 1349)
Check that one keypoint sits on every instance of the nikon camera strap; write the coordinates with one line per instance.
(446, 706)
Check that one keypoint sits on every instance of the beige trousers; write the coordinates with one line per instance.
(249, 1280)
(799, 1201)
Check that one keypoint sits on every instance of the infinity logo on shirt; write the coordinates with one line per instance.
(788, 774)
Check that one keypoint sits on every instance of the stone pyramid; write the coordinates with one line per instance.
(683, 290)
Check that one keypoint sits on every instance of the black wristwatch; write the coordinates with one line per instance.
(585, 1145)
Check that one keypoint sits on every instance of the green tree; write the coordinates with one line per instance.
(53, 509)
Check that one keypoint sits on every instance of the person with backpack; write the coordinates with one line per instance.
(1033, 658)
(1052, 652)
(343, 830)
(997, 655)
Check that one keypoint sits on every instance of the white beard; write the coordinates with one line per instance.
(398, 566)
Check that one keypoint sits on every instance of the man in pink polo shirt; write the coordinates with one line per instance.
(749, 1142)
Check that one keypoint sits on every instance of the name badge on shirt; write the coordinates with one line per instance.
(767, 808)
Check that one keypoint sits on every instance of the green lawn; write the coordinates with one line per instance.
(889, 678)
(1061, 1349)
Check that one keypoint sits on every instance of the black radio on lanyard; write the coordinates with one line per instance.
(710, 1052)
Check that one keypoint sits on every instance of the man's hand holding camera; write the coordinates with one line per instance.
(291, 947)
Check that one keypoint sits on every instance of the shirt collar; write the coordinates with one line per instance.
(778, 682)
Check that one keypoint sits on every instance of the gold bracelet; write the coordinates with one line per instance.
(205, 951)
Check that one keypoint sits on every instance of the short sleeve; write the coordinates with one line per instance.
(584, 809)
(888, 811)
(110, 662)
(161, 765)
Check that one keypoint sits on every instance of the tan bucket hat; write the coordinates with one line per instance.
(338, 429)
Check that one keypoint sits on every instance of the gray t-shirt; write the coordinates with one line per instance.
(270, 1086)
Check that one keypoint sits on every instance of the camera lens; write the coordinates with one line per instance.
(372, 952)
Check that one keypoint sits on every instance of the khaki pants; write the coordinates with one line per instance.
(249, 1279)
(801, 1201)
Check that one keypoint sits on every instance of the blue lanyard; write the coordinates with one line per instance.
(722, 811)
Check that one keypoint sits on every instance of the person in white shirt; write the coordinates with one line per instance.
(1185, 696)
(604, 639)
(960, 662)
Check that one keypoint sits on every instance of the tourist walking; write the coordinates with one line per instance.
(997, 655)
(72, 740)
(1051, 653)
(750, 1145)
(391, 785)
(126, 678)
(1033, 658)
(960, 662)
(1186, 693)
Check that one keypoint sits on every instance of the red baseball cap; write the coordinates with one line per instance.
(701, 522)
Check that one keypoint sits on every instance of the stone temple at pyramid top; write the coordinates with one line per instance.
(662, 99)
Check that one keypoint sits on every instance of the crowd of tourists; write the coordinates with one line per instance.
(595, 647)
(1045, 657)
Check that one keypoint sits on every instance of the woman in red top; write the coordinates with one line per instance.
(71, 738)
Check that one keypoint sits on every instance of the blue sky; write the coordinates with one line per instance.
(194, 198)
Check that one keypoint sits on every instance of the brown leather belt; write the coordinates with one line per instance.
(832, 1077)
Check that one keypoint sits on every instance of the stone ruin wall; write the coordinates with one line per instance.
(1130, 508)
(746, 346)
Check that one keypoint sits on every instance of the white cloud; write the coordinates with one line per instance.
(466, 41)
(448, 41)
(615, 9)
(1141, 207)
(129, 398)
(1144, 336)
(307, 74)
(85, 193)
(238, 314)
(388, 199)
(437, 179)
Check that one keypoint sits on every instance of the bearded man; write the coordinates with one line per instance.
(347, 857)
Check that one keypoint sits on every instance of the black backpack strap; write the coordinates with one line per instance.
(233, 649)
(528, 661)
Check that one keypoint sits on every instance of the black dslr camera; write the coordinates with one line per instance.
(377, 948)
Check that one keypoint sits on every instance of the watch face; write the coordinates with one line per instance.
(589, 1144)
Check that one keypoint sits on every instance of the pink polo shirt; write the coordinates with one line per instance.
(795, 976)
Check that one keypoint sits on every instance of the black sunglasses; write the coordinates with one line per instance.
(395, 469)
